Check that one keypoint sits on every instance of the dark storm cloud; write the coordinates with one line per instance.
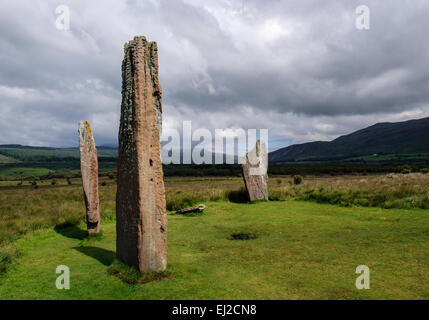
(300, 68)
(327, 67)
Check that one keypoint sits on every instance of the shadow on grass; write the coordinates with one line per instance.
(71, 231)
(105, 256)
(189, 214)
(238, 196)
(243, 236)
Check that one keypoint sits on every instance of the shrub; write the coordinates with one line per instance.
(405, 169)
(7, 255)
(297, 179)
(424, 170)
(179, 203)
(69, 181)
(277, 194)
(279, 181)
(104, 183)
(53, 182)
(217, 196)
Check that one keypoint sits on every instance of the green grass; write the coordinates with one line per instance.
(401, 191)
(303, 250)
(130, 275)
(45, 154)
(24, 171)
(390, 157)
(5, 159)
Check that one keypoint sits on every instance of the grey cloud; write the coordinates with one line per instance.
(300, 67)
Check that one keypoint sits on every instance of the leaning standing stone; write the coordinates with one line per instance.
(141, 220)
(89, 170)
(255, 176)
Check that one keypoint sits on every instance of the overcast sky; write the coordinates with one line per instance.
(300, 68)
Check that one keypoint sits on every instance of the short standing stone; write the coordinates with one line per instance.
(89, 170)
(255, 176)
(141, 219)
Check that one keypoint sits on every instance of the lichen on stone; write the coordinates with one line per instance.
(140, 202)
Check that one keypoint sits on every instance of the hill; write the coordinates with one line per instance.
(17, 153)
(408, 138)
(383, 147)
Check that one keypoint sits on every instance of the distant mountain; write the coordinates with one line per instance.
(19, 153)
(108, 146)
(378, 142)
(408, 137)
(19, 146)
(12, 153)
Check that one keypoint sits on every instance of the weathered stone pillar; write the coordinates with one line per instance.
(141, 219)
(255, 166)
(89, 170)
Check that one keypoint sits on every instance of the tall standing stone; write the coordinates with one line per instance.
(89, 170)
(255, 176)
(141, 219)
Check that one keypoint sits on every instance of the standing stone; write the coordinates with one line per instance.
(141, 219)
(255, 166)
(89, 170)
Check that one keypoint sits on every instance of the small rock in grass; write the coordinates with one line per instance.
(199, 208)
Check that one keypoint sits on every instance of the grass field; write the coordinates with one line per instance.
(16, 172)
(303, 249)
(5, 159)
(391, 157)
(40, 153)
